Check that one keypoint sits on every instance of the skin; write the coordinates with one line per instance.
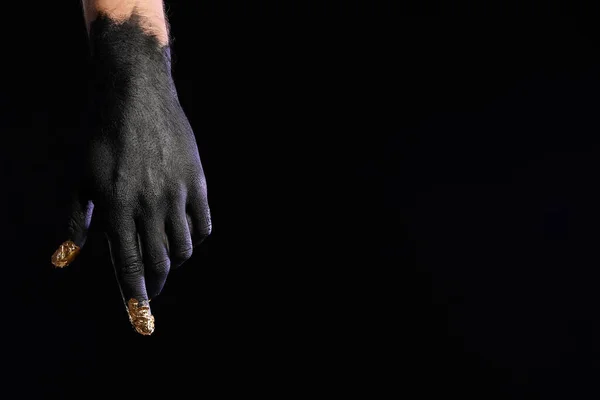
(152, 12)
(142, 180)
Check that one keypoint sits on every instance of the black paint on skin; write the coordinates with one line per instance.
(143, 179)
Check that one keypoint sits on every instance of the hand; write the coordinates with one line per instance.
(143, 178)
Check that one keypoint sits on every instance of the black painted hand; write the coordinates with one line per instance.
(144, 181)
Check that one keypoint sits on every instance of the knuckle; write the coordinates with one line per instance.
(149, 199)
(206, 231)
(73, 226)
(132, 266)
(202, 234)
(183, 255)
(161, 267)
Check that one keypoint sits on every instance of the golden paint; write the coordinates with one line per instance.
(140, 316)
(65, 254)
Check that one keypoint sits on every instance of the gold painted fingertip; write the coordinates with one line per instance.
(65, 254)
(140, 316)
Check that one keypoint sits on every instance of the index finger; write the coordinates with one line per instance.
(129, 270)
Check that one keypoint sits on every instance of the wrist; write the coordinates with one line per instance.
(124, 54)
(151, 13)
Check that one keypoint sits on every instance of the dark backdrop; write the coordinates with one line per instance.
(397, 199)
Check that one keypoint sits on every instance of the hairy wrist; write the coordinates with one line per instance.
(152, 12)
(126, 56)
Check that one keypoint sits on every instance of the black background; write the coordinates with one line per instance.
(403, 197)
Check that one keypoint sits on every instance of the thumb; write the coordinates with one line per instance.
(80, 216)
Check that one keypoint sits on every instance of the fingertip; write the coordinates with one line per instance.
(140, 316)
(65, 254)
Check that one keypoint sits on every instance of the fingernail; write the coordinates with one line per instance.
(65, 254)
(140, 316)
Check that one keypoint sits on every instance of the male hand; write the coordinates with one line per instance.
(143, 180)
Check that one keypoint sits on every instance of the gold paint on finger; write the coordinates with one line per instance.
(65, 254)
(140, 316)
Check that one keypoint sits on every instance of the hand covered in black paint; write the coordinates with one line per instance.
(144, 181)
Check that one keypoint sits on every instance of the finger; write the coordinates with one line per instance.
(155, 255)
(78, 223)
(198, 214)
(129, 269)
(180, 239)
